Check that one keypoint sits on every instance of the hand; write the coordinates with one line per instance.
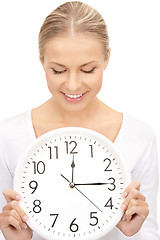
(13, 218)
(136, 210)
(73, 186)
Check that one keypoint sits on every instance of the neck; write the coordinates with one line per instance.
(73, 118)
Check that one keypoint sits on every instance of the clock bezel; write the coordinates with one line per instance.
(53, 134)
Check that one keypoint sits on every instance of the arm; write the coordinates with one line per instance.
(147, 174)
(5, 182)
(10, 212)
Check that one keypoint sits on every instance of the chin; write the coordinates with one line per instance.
(73, 107)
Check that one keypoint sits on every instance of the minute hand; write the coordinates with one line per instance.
(76, 184)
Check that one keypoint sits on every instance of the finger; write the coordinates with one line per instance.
(12, 221)
(15, 214)
(134, 194)
(133, 185)
(135, 202)
(141, 211)
(15, 205)
(10, 195)
(9, 220)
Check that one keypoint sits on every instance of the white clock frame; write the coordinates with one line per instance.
(32, 153)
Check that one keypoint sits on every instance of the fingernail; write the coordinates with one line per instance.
(25, 218)
(124, 217)
(123, 206)
(18, 197)
(124, 194)
(24, 225)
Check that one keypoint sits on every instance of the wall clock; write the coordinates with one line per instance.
(71, 180)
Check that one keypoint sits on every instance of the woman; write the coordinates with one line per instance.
(74, 52)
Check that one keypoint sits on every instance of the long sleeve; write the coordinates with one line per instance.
(137, 142)
(16, 134)
(146, 172)
(5, 182)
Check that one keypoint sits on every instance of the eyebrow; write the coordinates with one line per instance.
(80, 66)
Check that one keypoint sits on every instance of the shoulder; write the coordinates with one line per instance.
(13, 126)
(136, 142)
(138, 131)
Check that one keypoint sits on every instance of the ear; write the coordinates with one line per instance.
(107, 60)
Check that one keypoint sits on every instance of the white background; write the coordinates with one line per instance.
(131, 80)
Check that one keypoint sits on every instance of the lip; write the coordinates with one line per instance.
(74, 100)
(74, 93)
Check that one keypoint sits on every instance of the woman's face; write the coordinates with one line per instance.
(74, 66)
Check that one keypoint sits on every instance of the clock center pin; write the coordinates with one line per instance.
(71, 185)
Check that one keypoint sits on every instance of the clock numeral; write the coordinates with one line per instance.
(91, 216)
(54, 219)
(73, 147)
(114, 186)
(91, 150)
(39, 167)
(33, 185)
(50, 152)
(106, 169)
(74, 227)
(37, 208)
(109, 205)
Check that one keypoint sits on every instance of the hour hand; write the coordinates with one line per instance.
(73, 165)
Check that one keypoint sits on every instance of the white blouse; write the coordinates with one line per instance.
(136, 141)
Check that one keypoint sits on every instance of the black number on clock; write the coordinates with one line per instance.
(91, 150)
(37, 208)
(112, 183)
(91, 216)
(73, 147)
(33, 185)
(109, 205)
(106, 169)
(73, 226)
(50, 152)
(39, 167)
(54, 219)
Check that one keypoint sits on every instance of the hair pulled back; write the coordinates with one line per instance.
(71, 18)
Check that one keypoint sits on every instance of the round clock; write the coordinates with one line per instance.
(71, 180)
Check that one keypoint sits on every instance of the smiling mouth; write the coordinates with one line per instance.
(74, 95)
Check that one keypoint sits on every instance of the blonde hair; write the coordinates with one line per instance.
(71, 18)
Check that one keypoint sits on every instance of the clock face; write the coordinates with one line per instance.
(71, 180)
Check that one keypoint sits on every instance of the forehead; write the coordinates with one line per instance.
(77, 47)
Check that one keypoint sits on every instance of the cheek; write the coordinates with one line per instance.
(94, 82)
(97, 82)
(51, 82)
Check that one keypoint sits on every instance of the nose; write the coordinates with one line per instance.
(73, 83)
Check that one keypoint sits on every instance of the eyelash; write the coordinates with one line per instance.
(57, 72)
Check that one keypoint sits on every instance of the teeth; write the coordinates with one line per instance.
(73, 96)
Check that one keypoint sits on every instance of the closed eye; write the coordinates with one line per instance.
(57, 72)
(60, 72)
(91, 71)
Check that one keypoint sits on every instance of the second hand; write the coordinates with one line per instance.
(83, 194)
